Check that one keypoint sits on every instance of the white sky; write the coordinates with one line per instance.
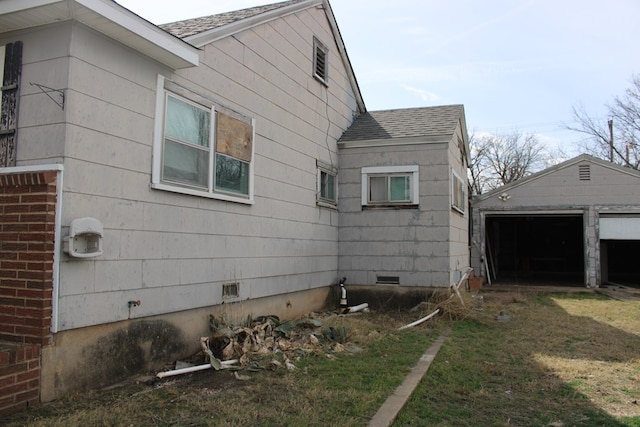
(514, 64)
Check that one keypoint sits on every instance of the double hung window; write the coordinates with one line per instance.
(327, 191)
(201, 148)
(458, 193)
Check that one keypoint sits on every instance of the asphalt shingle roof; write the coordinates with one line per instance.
(405, 123)
(195, 26)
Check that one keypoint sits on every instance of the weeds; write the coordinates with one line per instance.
(551, 360)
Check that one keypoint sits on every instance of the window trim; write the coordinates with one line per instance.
(163, 88)
(319, 49)
(456, 179)
(329, 170)
(367, 172)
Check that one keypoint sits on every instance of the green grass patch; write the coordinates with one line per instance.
(550, 360)
(556, 361)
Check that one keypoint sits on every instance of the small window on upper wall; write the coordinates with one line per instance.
(390, 186)
(327, 190)
(320, 62)
(458, 193)
(200, 148)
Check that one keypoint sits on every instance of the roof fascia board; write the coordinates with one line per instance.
(223, 31)
(139, 26)
(343, 53)
(394, 142)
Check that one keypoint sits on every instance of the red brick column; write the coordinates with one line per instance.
(19, 377)
(27, 239)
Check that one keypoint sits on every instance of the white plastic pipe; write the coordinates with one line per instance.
(355, 308)
(359, 307)
(225, 364)
(417, 322)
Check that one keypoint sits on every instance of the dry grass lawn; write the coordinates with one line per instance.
(526, 359)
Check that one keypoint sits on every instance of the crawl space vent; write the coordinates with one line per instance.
(387, 280)
(584, 172)
(230, 290)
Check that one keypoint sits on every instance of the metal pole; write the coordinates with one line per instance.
(610, 122)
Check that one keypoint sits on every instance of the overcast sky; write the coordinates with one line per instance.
(516, 65)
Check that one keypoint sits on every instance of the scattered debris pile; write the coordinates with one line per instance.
(265, 342)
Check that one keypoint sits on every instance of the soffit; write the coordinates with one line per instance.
(105, 16)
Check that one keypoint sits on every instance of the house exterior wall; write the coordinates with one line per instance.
(560, 191)
(412, 244)
(459, 258)
(173, 252)
(41, 129)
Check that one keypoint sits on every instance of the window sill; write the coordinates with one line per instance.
(327, 205)
(458, 210)
(390, 207)
(193, 192)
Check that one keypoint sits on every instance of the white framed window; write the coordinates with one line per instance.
(320, 62)
(458, 193)
(200, 148)
(327, 187)
(390, 186)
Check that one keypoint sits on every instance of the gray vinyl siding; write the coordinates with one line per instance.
(173, 251)
(412, 244)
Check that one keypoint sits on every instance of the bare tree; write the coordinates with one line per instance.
(500, 159)
(618, 137)
(477, 165)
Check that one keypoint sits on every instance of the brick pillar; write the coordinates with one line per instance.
(27, 233)
(27, 239)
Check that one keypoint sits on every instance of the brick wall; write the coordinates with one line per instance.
(27, 238)
(19, 377)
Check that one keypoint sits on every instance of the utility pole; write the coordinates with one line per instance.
(610, 122)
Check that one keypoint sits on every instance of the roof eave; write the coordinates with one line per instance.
(214, 34)
(394, 142)
(107, 17)
(345, 57)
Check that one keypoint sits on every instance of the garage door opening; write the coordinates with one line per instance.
(619, 262)
(536, 249)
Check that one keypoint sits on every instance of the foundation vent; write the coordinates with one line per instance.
(387, 280)
(584, 172)
(230, 290)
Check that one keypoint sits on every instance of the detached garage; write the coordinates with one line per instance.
(576, 224)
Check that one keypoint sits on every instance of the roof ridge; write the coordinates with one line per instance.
(419, 108)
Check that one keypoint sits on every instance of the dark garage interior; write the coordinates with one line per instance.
(619, 260)
(535, 249)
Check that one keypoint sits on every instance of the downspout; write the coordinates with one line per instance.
(57, 247)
